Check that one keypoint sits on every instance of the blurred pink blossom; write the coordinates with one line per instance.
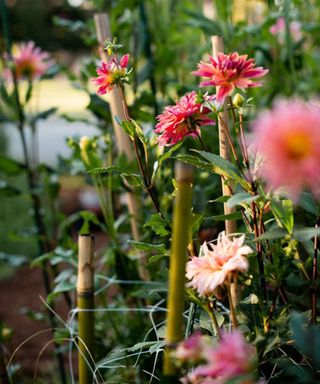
(288, 139)
(231, 358)
(216, 265)
(279, 30)
(111, 73)
(183, 119)
(227, 72)
(30, 62)
(192, 349)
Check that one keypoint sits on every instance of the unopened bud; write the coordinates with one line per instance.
(84, 143)
(238, 100)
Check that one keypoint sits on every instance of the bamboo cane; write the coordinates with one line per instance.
(230, 225)
(85, 297)
(118, 108)
(178, 258)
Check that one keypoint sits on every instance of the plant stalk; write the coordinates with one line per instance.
(178, 259)
(85, 303)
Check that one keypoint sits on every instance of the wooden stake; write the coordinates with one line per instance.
(85, 298)
(119, 109)
(178, 259)
(223, 119)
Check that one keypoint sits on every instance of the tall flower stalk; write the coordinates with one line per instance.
(178, 258)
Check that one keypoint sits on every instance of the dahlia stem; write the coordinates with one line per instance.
(224, 149)
(119, 110)
(233, 316)
(314, 277)
(85, 303)
(201, 142)
(178, 259)
(213, 318)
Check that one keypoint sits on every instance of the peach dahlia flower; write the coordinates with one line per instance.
(228, 72)
(217, 264)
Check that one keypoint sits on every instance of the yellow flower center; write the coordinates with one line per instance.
(298, 145)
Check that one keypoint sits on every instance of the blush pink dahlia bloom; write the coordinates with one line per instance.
(227, 72)
(111, 73)
(231, 358)
(193, 349)
(183, 119)
(279, 30)
(288, 139)
(217, 264)
(30, 62)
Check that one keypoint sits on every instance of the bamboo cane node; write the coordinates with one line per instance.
(183, 172)
(85, 294)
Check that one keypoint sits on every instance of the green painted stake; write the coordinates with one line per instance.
(85, 298)
(178, 259)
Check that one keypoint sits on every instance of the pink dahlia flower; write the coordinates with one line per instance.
(279, 30)
(217, 264)
(227, 72)
(30, 62)
(288, 139)
(111, 73)
(231, 358)
(183, 119)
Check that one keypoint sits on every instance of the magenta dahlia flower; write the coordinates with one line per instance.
(111, 73)
(183, 119)
(227, 72)
(30, 62)
(214, 268)
(288, 139)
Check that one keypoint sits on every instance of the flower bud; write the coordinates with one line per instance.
(238, 100)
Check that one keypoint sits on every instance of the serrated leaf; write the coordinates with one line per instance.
(157, 224)
(195, 161)
(224, 168)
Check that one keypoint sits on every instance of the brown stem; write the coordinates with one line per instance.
(233, 150)
(314, 277)
(233, 112)
(201, 141)
(232, 309)
(259, 250)
(147, 183)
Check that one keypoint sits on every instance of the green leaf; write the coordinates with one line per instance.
(273, 234)
(13, 260)
(60, 288)
(241, 198)
(224, 168)
(308, 203)
(221, 199)
(231, 216)
(158, 225)
(148, 247)
(195, 161)
(8, 190)
(132, 178)
(43, 115)
(10, 166)
(305, 234)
